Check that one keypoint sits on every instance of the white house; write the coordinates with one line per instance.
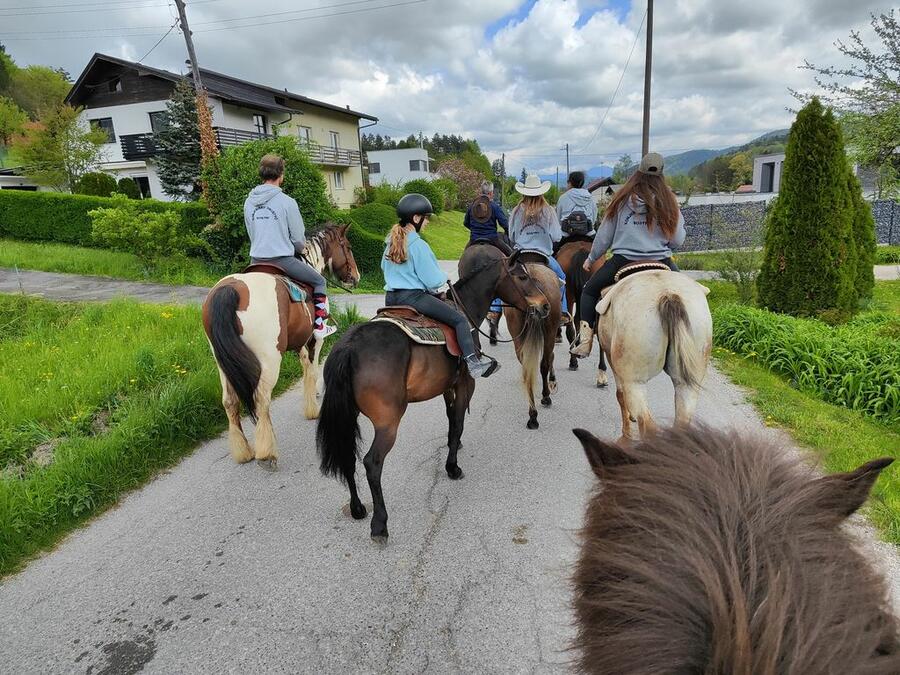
(128, 101)
(398, 166)
(767, 172)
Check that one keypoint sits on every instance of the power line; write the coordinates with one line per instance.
(621, 77)
(100, 7)
(158, 42)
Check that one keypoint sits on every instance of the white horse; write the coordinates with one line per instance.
(653, 321)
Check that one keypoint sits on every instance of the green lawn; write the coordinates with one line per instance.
(887, 255)
(712, 260)
(446, 235)
(96, 398)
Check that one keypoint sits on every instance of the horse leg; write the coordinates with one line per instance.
(623, 407)
(240, 448)
(493, 325)
(548, 377)
(685, 403)
(636, 400)
(602, 378)
(266, 451)
(385, 436)
(457, 402)
(310, 382)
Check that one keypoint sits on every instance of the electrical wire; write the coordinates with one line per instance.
(100, 7)
(158, 42)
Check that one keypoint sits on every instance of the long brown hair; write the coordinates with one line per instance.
(397, 249)
(533, 205)
(662, 207)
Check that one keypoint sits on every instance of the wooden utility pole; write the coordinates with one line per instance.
(567, 161)
(645, 141)
(208, 147)
(502, 177)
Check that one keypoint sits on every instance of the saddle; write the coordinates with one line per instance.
(298, 291)
(633, 268)
(528, 256)
(420, 329)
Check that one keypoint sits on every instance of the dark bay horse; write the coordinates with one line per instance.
(534, 335)
(571, 257)
(712, 552)
(377, 370)
(251, 322)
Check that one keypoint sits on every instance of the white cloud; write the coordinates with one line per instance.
(721, 69)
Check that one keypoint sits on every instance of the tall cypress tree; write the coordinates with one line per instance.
(809, 262)
(864, 234)
(179, 144)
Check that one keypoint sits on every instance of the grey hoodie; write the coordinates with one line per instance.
(538, 234)
(273, 222)
(628, 235)
(577, 199)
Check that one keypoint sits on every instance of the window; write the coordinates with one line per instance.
(259, 121)
(338, 180)
(374, 167)
(114, 85)
(158, 121)
(418, 165)
(105, 124)
(335, 139)
(143, 184)
(303, 133)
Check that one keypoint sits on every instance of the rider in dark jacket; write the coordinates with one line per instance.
(483, 218)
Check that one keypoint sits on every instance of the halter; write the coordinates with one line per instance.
(325, 236)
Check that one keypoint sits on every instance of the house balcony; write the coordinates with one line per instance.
(138, 146)
(319, 154)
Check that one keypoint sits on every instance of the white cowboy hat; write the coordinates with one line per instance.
(532, 187)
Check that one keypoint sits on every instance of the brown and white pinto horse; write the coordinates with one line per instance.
(251, 322)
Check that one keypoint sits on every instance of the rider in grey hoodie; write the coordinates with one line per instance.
(577, 198)
(277, 236)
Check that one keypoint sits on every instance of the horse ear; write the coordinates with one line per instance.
(343, 228)
(601, 456)
(841, 494)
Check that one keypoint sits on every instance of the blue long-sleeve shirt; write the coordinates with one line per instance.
(420, 271)
(486, 230)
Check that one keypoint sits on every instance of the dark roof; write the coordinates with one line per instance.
(600, 182)
(223, 86)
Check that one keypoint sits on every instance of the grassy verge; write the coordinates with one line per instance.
(96, 399)
(887, 255)
(844, 439)
(446, 235)
(175, 271)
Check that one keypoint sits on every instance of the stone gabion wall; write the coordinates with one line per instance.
(717, 226)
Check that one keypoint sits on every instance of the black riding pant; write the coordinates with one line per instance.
(432, 307)
(602, 278)
(495, 241)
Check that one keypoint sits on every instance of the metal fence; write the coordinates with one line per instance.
(717, 226)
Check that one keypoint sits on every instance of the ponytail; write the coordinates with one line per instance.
(397, 252)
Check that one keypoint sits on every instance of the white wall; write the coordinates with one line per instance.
(394, 166)
(133, 118)
(778, 160)
(729, 198)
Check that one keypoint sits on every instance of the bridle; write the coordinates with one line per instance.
(330, 240)
(454, 293)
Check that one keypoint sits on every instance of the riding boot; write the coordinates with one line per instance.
(481, 365)
(585, 341)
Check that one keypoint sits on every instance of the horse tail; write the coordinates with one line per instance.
(531, 352)
(576, 270)
(687, 361)
(337, 434)
(237, 361)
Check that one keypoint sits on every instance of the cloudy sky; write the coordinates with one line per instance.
(523, 78)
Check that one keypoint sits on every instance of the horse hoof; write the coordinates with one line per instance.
(454, 472)
(573, 364)
(602, 379)
(558, 339)
(602, 385)
(358, 512)
(493, 343)
(532, 424)
(546, 402)
(270, 464)
(380, 540)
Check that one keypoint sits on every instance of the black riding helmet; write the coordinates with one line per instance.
(411, 205)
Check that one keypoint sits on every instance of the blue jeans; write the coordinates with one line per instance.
(556, 267)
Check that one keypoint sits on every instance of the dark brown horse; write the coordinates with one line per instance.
(571, 258)
(251, 322)
(711, 552)
(376, 370)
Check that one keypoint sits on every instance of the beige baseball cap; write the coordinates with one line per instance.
(652, 163)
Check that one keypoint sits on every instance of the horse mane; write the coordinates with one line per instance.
(317, 241)
(708, 552)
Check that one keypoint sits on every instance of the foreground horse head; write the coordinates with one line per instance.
(711, 552)
(329, 249)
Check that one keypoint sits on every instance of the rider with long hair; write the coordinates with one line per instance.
(642, 222)
(413, 277)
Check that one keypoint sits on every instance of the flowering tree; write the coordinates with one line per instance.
(467, 180)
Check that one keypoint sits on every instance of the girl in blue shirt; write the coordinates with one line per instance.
(412, 277)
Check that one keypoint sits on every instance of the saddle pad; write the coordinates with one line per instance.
(298, 292)
(295, 290)
(421, 329)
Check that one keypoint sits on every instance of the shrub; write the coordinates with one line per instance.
(450, 192)
(852, 366)
(887, 255)
(129, 188)
(97, 183)
(234, 173)
(467, 180)
(376, 218)
(56, 216)
(425, 187)
(147, 234)
(864, 236)
(387, 194)
(809, 264)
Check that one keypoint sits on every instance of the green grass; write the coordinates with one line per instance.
(446, 235)
(111, 393)
(712, 260)
(844, 439)
(887, 255)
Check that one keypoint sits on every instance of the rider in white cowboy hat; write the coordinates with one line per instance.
(534, 226)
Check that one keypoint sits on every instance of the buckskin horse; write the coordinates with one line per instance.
(534, 334)
(376, 369)
(251, 322)
(712, 552)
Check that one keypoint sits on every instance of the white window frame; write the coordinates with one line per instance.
(304, 134)
(338, 178)
(335, 138)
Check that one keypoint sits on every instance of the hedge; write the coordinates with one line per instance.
(376, 218)
(61, 217)
(367, 234)
(851, 365)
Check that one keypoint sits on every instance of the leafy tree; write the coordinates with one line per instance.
(809, 262)
(7, 68)
(523, 175)
(429, 189)
(96, 183)
(467, 180)
(741, 166)
(129, 188)
(12, 120)
(865, 93)
(864, 236)
(623, 169)
(38, 90)
(61, 149)
(683, 184)
(178, 163)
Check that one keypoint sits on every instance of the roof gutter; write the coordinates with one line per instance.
(362, 176)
